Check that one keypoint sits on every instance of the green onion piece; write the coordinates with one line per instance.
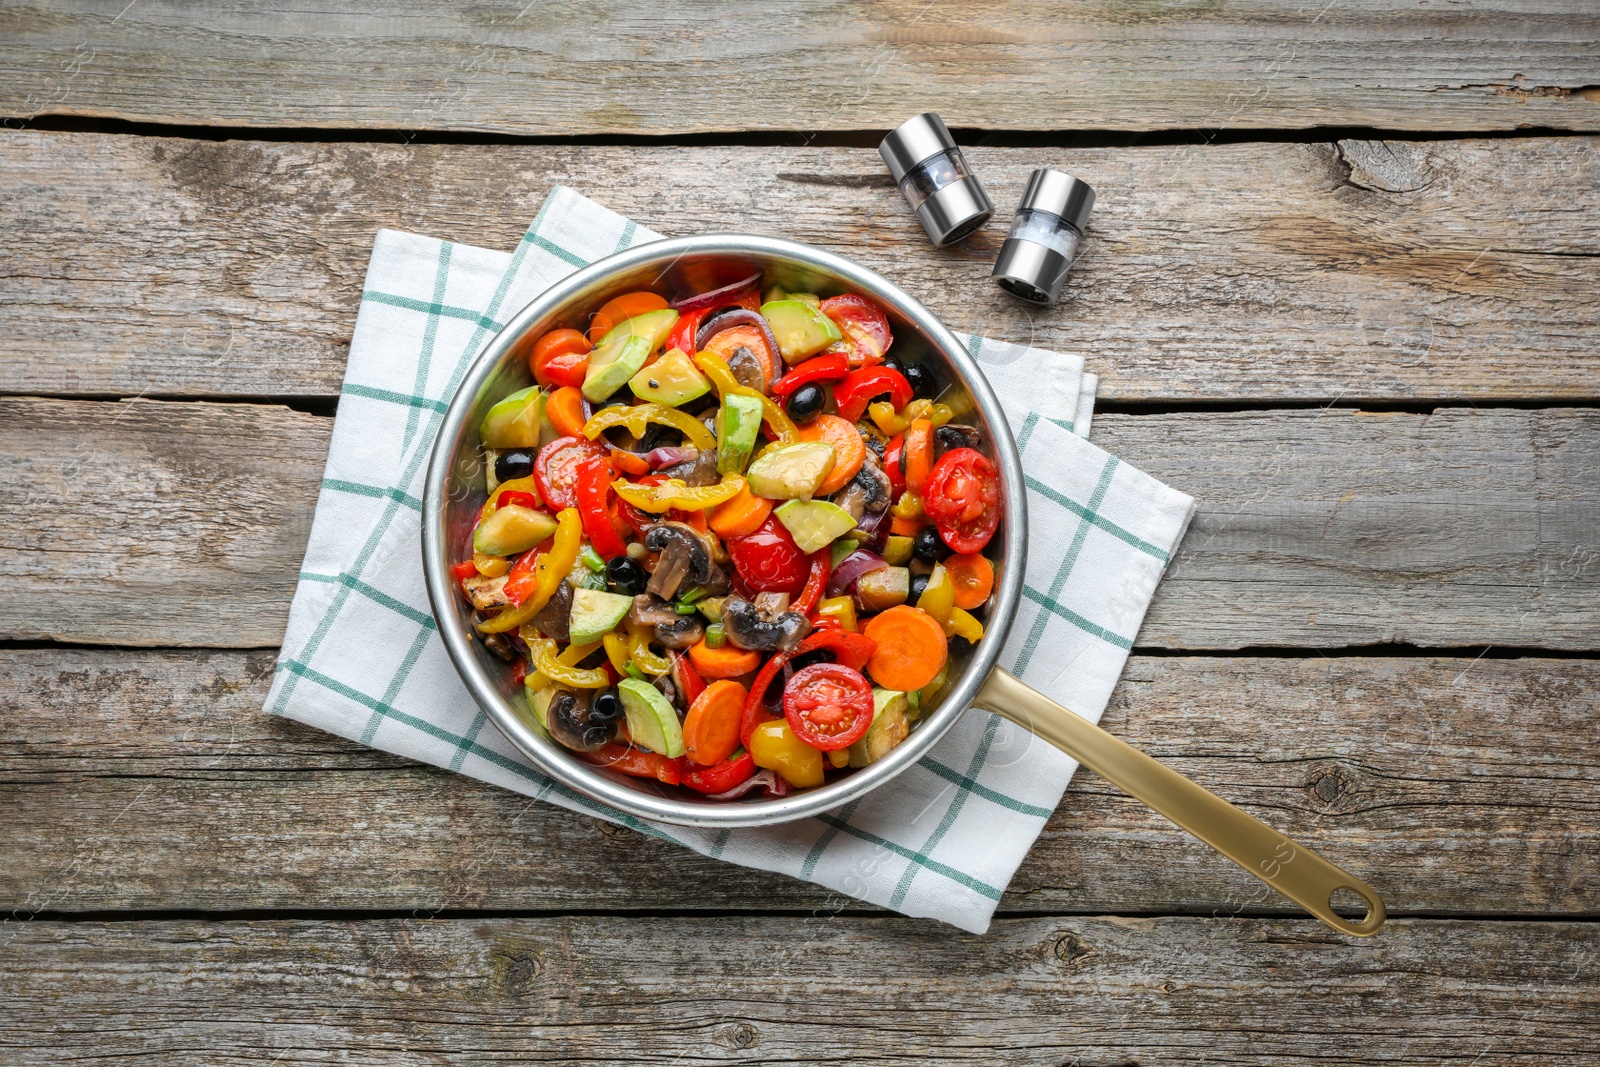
(694, 593)
(635, 672)
(715, 635)
(591, 559)
(684, 609)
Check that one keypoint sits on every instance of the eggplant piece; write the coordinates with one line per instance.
(747, 370)
(555, 618)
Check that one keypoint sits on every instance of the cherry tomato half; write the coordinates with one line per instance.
(865, 328)
(555, 470)
(769, 561)
(962, 497)
(560, 357)
(828, 706)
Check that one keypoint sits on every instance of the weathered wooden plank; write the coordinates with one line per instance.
(636, 68)
(1362, 270)
(607, 989)
(157, 523)
(152, 780)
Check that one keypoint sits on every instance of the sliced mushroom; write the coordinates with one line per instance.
(486, 594)
(868, 491)
(555, 618)
(696, 473)
(748, 628)
(650, 610)
(501, 646)
(685, 560)
(571, 723)
(685, 630)
(747, 369)
(671, 629)
(954, 435)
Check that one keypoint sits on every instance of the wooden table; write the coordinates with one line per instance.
(1343, 285)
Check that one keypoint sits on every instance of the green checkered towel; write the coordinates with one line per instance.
(362, 657)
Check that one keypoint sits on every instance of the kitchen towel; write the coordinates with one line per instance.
(362, 656)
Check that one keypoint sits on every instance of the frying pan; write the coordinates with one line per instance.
(455, 492)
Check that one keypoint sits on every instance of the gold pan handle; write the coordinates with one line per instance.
(1293, 870)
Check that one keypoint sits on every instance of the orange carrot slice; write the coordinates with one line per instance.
(742, 515)
(724, 662)
(711, 729)
(565, 408)
(911, 648)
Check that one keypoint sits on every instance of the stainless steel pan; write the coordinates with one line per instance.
(455, 492)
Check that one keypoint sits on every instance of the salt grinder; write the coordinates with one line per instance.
(935, 180)
(1045, 235)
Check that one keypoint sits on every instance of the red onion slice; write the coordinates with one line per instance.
(728, 294)
(669, 457)
(730, 318)
(852, 567)
(761, 779)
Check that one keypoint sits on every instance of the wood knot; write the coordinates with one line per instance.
(611, 829)
(1073, 950)
(1330, 786)
(742, 1036)
(519, 973)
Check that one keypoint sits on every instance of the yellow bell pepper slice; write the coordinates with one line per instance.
(639, 650)
(775, 747)
(552, 567)
(962, 624)
(616, 651)
(777, 420)
(552, 667)
(636, 417)
(938, 599)
(909, 506)
(883, 414)
(659, 499)
(842, 608)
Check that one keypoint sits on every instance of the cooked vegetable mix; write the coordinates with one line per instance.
(730, 541)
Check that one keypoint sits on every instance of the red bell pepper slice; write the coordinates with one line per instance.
(860, 387)
(522, 578)
(636, 762)
(518, 497)
(849, 649)
(463, 571)
(594, 486)
(821, 567)
(683, 331)
(816, 369)
(721, 777)
(754, 712)
(894, 465)
(687, 678)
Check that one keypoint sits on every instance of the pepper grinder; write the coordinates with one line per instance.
(1045, 235)
(935, 179)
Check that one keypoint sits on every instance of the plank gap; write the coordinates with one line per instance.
(731, 138)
